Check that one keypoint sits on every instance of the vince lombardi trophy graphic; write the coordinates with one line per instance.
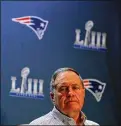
(88, 27)
(24, 74)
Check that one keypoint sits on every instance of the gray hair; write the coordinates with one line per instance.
(52, 85)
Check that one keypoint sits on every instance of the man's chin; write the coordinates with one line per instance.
(72, 107)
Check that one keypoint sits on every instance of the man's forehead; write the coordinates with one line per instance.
(67, 76)
(68, 84)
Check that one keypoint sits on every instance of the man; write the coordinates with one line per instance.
(67, 94)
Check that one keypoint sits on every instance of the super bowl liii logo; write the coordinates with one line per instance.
(34, 88)
(92, 41)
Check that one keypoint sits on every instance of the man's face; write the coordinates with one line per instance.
(69, 93)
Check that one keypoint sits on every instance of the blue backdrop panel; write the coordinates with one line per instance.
(22, 48)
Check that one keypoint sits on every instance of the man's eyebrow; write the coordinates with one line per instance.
(75, 84)
(63, 86)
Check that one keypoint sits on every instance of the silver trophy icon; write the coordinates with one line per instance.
(24, 74)
(88, 27)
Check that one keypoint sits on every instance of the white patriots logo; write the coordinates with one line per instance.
(95, 87)
(36, 24)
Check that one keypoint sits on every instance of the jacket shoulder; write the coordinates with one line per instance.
(89, 122)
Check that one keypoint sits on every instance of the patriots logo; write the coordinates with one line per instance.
(37, 24)
(95, 87)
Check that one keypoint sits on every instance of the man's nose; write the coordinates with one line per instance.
(70, 92)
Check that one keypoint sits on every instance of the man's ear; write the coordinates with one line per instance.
(52, 97)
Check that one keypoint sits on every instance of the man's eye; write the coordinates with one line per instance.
(62, 89)
(76, 87)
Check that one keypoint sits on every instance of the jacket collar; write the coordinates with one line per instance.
(65, 119)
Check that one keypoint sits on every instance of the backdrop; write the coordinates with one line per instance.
(39, 37)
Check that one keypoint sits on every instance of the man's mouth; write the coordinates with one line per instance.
(70, 101)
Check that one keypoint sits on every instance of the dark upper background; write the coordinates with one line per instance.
(20, 47)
